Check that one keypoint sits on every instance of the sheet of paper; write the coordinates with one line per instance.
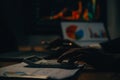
(55, 73)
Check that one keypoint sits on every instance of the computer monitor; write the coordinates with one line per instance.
(45, 16)
(85, 33)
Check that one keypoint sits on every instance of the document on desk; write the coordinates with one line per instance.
(19, 70)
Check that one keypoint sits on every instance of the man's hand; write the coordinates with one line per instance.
(89, 55)
(70, 54)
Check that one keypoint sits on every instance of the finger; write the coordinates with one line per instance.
(65, 55)
(75, 58)
(61, 58)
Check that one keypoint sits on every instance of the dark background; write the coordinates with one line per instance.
(16, 21)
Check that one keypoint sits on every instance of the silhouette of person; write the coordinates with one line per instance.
(105, 56)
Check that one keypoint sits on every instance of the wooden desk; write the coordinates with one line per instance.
(99, 76)
(85, 75)
(5, 63)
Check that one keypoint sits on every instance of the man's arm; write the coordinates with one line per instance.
(112, 46)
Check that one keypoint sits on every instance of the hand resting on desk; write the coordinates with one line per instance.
(93, 56)
(106, 57)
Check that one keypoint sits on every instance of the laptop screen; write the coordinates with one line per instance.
(84, 33)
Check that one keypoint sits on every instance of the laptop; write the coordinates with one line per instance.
(85, 33)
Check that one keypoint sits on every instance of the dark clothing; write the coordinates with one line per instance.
(107, 58)
(110, 57)
(112, 46)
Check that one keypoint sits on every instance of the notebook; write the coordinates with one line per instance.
(85, 33)
(21, 71)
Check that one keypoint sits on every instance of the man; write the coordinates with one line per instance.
(106, 57)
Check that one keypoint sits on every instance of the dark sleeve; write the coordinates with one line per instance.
(112, 46)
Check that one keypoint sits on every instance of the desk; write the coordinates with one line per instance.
(85, 75)
(5, 63)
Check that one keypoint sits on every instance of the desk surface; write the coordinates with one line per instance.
(85, 75)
